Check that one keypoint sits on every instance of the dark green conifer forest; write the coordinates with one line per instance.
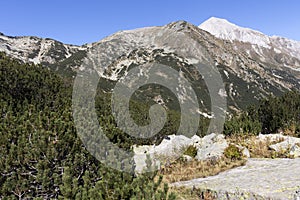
(41, 156)
(271, 115)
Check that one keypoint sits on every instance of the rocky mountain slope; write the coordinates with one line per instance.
(268, 49)
(43, 51)
(246, 78)
(251, 64)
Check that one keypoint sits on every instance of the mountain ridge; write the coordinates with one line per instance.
(224, 23)
(249, 73)
(255, 41)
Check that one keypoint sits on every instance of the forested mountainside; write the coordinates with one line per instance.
(41, 154)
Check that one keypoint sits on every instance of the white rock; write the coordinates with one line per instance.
(212, 145)
(170, 148)
(208, 139)
(281, 146)
(295, 151)
(140, 156)
(195, 141)
(244, 150)
(285, 145)
(271, 137)
(187, 158)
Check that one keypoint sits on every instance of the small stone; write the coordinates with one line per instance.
(295, 151)
(246, 152)
(187, 158)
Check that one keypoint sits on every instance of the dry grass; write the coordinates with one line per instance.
(183, 193)
(291, 131)
(257, 148)
(182, 170)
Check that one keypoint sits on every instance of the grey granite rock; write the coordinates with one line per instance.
(258, 179)
(212, 145)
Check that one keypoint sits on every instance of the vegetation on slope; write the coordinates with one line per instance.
(40, 154)
(275, 114)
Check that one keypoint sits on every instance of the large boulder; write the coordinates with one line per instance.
(212, 145)
(282, 143)
(286, 145)
(173, 146)
(169, 149)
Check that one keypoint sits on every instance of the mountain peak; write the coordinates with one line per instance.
(219, 21)
(226, 30)
(180, 25)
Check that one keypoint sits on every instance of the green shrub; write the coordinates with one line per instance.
(191, 151)
(233, 152)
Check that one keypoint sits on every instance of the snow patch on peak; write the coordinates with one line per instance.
(226, 30)
(223, 29)
(219, 21)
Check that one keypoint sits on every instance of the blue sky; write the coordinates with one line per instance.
(79, 22)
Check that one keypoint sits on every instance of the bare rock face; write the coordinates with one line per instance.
(258, 179)
(37, 50)
(271, 49)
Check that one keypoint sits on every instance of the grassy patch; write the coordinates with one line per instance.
(233, 152)
(182, 171)
(191, 151)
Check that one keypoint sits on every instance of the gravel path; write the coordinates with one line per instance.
(265, 178)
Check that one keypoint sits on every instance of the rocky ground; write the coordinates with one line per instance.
(258, 179)
(271, 170)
